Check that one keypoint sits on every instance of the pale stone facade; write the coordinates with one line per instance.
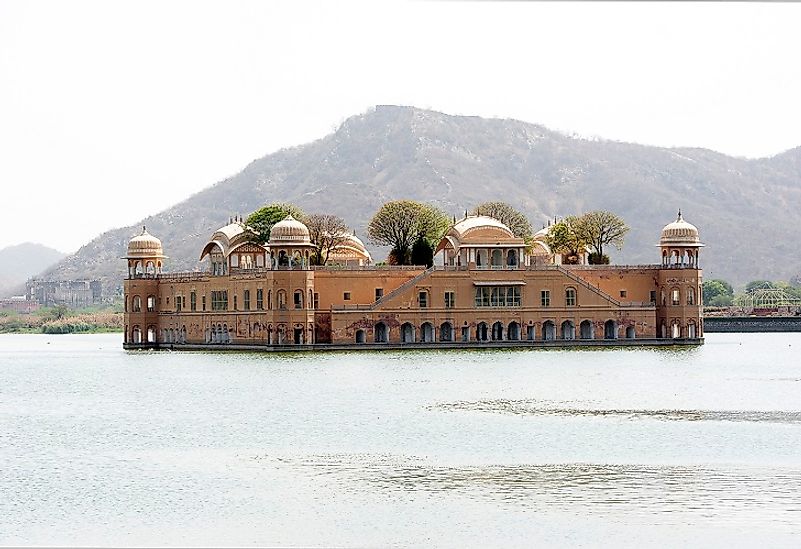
(487, 287)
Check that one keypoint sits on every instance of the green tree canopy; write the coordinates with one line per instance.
(326, 232)
(506, 214)
(566, 237)
(717, 293)
(401, 222)
(263, 219)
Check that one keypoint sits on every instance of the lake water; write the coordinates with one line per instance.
(626, 447)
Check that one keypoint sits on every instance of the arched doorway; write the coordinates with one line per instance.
(548, 330)
(381, 333)
(675, 330)
(513, 331)
(692, 333)
(531, 334)
(482, 331)
(585, 330)
(630, 334)
(446, 331)
(610, 329)
(497, 258)
(568, 330)
(360, 336)
(511, 258)
(497, 330)
(407, 333)
(427, 332)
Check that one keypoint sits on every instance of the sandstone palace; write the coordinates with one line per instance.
(486, 288)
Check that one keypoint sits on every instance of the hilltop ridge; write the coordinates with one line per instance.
(456, 162)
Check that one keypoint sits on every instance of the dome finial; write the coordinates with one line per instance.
(144, 229)
(679, 216)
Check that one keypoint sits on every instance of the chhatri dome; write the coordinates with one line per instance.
(289, 231)
(145, 245)
(680, 233)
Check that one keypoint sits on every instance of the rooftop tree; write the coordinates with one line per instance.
(263, 219)
(401, 223)
(600, 228)
(568, 238)
(508, 215)
(326, 233)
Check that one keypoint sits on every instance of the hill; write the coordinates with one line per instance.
(456, 162)
(19, 263)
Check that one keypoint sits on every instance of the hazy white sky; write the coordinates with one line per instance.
(112, 111)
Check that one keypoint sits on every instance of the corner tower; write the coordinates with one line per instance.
(145, 259)
(679, 307)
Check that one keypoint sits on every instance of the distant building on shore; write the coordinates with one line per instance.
(73, 293)
(487, 287)
(19, 304)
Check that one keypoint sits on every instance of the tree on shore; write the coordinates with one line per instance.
(717, 293)
(508, 215)
(263, 219)
(326, 233)
(401, 223)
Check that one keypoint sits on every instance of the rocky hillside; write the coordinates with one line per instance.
(747, 210)
(20, 262)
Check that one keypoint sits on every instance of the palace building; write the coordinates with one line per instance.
(486, 288)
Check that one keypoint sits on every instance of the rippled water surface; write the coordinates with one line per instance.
(625, 447)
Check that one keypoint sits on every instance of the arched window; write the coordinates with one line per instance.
(136, 335)
(497, 258)
(151, 334)
(126, 303)
(570, 297)
(690, 296)
(675, 296)
(151, 303)
(675, 330)
(281, 298)
(298, 299)
(692, 332)
(137, 304)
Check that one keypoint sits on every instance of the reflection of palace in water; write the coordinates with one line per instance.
(487, 286)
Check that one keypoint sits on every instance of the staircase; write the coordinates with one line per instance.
(587, 285)
(403, 287)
